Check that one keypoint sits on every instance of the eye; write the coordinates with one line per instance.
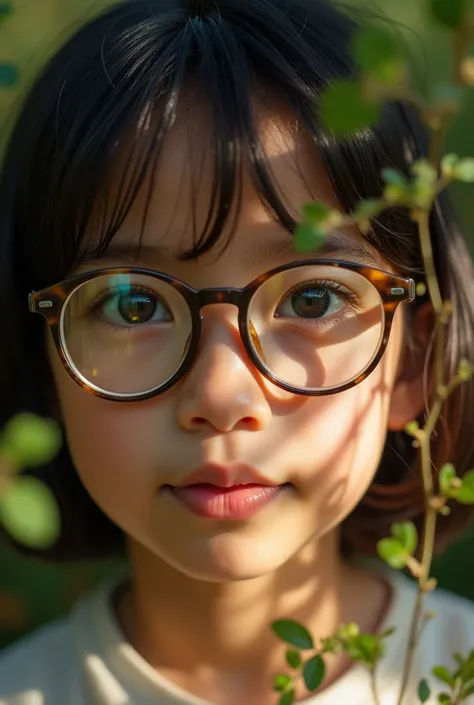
(135, 307)
(312, 301)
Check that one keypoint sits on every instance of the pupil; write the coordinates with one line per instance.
(312, 303)
(137, 308)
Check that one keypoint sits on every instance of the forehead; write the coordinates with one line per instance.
(177, 197)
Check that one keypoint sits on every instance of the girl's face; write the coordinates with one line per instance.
(321, 452)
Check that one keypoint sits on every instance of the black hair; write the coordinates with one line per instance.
(136, 61)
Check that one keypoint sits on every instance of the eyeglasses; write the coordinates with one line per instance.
(314, 328)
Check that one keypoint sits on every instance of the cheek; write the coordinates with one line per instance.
(338, 441)
(110, 443)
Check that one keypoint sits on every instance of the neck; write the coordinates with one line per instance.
(186, 626)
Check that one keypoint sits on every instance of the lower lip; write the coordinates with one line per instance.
(226, 503)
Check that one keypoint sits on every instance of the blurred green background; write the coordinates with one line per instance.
(32, 593)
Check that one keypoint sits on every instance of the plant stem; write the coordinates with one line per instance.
(429, 530)
(373, 686)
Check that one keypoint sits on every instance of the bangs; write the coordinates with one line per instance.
(117, 89)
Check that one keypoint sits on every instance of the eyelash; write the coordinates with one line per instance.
(94, 306)
(348, 295)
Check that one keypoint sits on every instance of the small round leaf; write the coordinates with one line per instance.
(464, 170)
(373, 49)
(344, 110)
(443, 675)
(30, 440)
(293, 633)
(465, 494)
(446, 475)
(313, 672)
(281, 682)
(316, 212)
(405, 532)
(287, 698)
(29, 513)
(9, 75)
(293, 658)
(424, 691)
(392, 552)
(308, 238)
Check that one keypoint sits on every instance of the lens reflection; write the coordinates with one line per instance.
(318, 327)
(313, 327)
(126, 334)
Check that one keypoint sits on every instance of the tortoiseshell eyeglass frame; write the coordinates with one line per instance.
(51, 303)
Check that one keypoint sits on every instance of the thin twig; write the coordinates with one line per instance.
(373, 686)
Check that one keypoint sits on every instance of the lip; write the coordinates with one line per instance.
(225, 493)
(225, 476)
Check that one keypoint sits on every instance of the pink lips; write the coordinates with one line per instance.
(217, 492)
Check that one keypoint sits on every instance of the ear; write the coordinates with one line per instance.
(408, 395)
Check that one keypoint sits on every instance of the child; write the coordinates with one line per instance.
(236, 445)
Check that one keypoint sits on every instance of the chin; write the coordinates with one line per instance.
(225, 559)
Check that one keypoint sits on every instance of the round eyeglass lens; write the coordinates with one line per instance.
(316, 327)
(125, 334)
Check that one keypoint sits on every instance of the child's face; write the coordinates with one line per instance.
(325, 450)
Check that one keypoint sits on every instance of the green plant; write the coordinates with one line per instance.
(27, 508)
(347, 107)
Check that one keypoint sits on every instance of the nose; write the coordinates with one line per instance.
(222, 391)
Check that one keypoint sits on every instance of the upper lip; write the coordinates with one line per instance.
(224, 476)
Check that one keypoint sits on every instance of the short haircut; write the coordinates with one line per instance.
(58, 164)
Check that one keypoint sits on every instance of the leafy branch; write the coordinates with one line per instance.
(347, 107)
(28, 510)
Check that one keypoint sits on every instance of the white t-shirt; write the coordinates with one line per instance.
(84, 659)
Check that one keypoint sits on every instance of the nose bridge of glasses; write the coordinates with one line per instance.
(208, 297)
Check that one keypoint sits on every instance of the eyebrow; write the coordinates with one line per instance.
(337, 245)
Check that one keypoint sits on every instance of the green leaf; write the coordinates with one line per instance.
(308, 238)
(293, 633)
(31, 441)
(423, 691)
(443, 675)
(465, 494)
(293, 658)
(424, 172)
(287, 698)
(465, 370)
(448, 165)
(9, 75)
(406, 534)
(374, 49)
(5, 9)
(466, 692)
(281, 682)
(365, 648)
(393, 177)
(464, 170)
(412, 428)
(444, 699)
(392, 552)
(369, 208)
(446, 474)
(348, 631)
(316, 212)
(313, 672)
(344, 110)
(449, 13)
(29, 513)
